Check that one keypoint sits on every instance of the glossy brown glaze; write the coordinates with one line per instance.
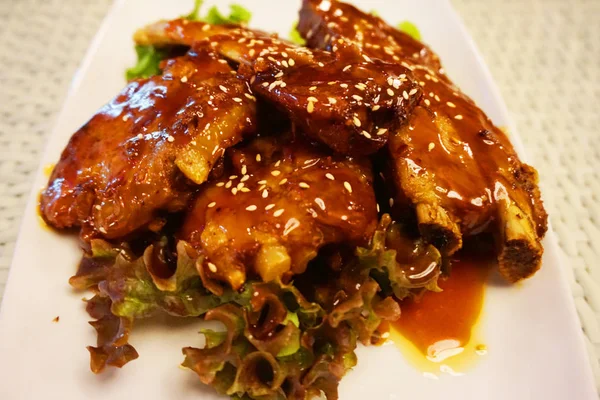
(449, 161)
(341, 99)
(277, 205)
(121, 168)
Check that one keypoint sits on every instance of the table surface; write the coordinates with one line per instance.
(544, 55)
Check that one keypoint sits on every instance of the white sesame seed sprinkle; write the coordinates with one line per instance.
(267, 208)
(220, 184)
(223, 88)
(304, 185)
(278, 212)
(390, 92)
(348, 187)
(183, 79)
(451, 104)
(356, 121)
(258, 158)
(212, 204)
(413, 92)
(283, 181)
(251, 208)
(263, 182)
(212, 267)
(344, 218)
(366, 134)
(459, 117)
(320, 203)
(431, 146)
(237, 99)
(265, 193)
(330, 176)
(171, 139)
(275, 173)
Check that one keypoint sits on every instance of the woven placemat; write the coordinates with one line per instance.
(544, 55)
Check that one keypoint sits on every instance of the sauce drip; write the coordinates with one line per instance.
(438, 331)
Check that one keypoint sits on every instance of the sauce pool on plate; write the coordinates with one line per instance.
(438, 331)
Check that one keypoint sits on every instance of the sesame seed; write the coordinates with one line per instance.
(212, 267)
(278, 163)
(344, 85)
(304, 185)
(431, 146)
(413, 92)
(291, 62)
(283, 181)
(451, 104)
(263, 182)
(220, 184)
(357, 97)
(140, 136)
(244, 190)
(313, 99)
(267, 208)
(385, 335)
(344, 218)
(332, 100)
(356, 121)
(310, 107)
(348, 187)
(223, 88)
(427, 102)
(321, 64)
(459, 117)
(183, 79)
(205, 27)
(437, 97)
(240, 185)
(397, 83)
(170, 139)
(234, 191)
(251, 208)
(366, 134)
(228, 184)
(265, 84)
(278, 212)
(233, 177)
(346, 68)
(330, 176)
(244, 170)
(390, 92)
(405, 95)
(391, 202)
(258, 158)
(320, 203)
(237, 99)
(285, 63)
(211, 205)
(312, 88)
(378, 208)
(366, 57)
(376, 107)
(381, 131)
(265, 194)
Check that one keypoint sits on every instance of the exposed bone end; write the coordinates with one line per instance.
(438, 228)
(520, 254)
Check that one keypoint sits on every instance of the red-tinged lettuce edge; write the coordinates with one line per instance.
(276, 343)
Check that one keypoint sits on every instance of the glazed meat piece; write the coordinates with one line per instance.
(325, 23)
(346, 100)
(278, 204)
(459, 171)
(145, 151)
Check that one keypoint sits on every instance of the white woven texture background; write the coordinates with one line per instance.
(544, 55)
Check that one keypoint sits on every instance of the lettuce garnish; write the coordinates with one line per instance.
(410, 29)
(278, 342)
(150, 57)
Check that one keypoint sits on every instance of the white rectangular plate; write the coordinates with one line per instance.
(536, 348)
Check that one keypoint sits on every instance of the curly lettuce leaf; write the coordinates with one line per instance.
(148, 63)
(410, 29)
(150, 57)
(295, 36)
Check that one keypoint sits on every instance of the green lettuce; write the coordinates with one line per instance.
(150, 57)
(410, 29)
(295, 36)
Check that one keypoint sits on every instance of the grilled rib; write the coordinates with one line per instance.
(457, 170)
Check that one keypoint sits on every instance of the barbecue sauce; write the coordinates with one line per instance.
(438, 332)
